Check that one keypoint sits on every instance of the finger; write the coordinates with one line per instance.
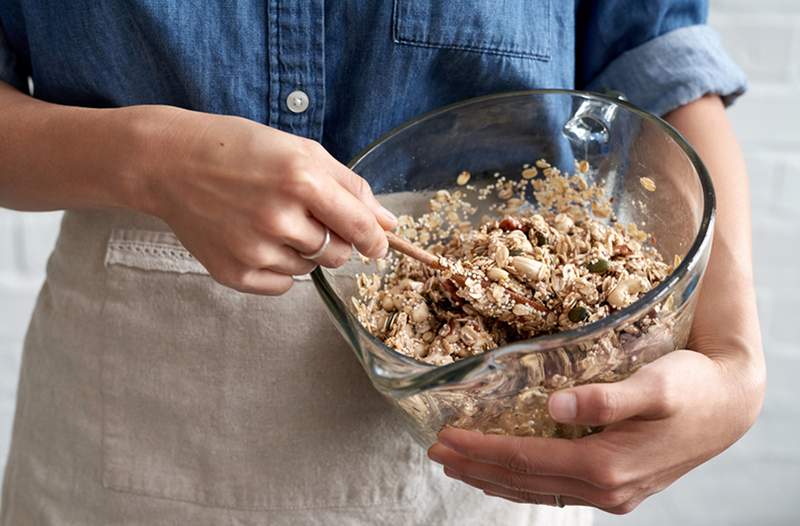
(266, 282)
(287, 260)
(263, 282)
(645, 394)
(348, 217)
(533, 498)
(520, 496)
(360, 188)
(336, 254)
(497, 476)
(277, 258)
(530, 455)
(298, 230)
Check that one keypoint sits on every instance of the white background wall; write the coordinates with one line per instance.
(758, 479)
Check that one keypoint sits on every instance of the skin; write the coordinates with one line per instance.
(671, 415)
(245, 199)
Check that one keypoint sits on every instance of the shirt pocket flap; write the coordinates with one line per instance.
(515, 28)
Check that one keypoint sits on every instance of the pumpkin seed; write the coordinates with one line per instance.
(578, 313)
(598, 266)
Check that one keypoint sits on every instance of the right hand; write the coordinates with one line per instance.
(247, 200)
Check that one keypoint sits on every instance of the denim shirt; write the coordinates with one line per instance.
(365, 67)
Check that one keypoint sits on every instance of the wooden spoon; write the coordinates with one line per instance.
(435, 262)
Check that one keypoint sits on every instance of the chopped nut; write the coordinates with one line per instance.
(563, 223)
(387, 303)
(519, 241)
(420, 312)
(463, 178)
(583, 166)
(624, 293)
(510, 223)
(529, 173)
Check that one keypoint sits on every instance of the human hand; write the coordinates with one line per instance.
(666, 419)
(248, 200)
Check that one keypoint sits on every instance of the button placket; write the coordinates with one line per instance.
(299, 41)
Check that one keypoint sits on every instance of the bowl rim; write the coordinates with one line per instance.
(574, 336)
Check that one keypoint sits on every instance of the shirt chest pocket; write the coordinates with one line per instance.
(513, 28)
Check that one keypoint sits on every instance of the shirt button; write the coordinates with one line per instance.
(297, 101)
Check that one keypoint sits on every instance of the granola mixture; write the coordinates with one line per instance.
(569, 259)
(521, 272)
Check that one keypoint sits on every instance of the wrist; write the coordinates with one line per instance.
(144, 132)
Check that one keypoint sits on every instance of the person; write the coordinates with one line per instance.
(178, 368)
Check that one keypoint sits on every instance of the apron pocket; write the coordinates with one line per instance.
(235, 400)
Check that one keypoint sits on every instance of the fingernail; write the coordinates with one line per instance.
(563, 407)
(388, 215)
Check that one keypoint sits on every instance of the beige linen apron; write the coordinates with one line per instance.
(151, 395)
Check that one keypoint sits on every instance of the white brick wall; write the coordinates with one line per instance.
(759, 478)
(25, 241)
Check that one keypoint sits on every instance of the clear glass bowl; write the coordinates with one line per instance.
(505, 390)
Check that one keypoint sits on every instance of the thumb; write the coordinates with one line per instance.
(643, 394)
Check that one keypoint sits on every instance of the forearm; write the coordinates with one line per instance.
(54, 157)
(726, 322)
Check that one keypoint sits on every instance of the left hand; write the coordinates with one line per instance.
(664, 420)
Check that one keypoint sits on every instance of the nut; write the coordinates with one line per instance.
(387, 303)
(463, 178)
(420, 312)
(563, 223)
(624, 293)
(510, 223)
(520, 241)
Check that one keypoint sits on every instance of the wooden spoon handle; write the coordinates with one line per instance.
(413, 251)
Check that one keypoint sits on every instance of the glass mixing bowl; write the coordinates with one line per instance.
(505, 390)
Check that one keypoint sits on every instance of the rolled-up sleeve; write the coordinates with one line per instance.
(660, 54)
(10, 70)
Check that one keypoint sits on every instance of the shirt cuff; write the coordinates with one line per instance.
(674, 69)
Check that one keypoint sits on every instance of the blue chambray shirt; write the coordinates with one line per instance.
(366, 66)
